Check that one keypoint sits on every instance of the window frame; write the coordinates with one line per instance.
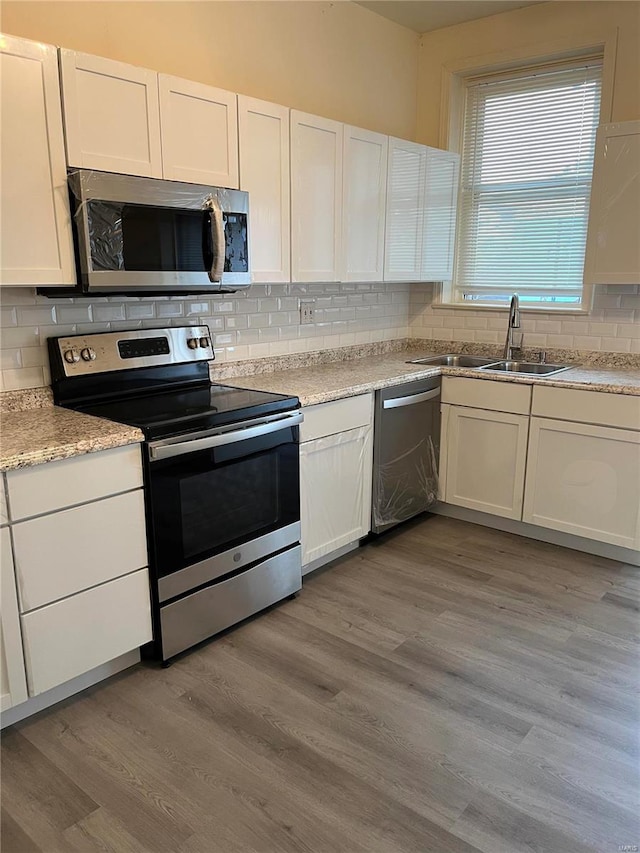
(456, 76)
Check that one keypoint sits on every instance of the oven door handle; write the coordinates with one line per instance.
(165, 450)
(397, 402)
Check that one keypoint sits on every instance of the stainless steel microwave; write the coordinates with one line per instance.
(155, 237)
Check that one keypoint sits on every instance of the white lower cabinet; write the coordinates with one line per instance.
(13, 689)
(78, 595)
(584, 480)
(335, 476)
(483, 458)
(72, 636)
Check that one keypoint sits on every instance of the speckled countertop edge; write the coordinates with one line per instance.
(50, 433)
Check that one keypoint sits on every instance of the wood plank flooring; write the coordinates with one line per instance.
(447, 689)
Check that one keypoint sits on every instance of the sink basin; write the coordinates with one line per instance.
(454, 361)
(527, 367)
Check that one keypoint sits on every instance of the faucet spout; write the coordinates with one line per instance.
(513, 323)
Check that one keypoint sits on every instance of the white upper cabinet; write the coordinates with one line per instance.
(199, 127)
(111, 113)
(364, 199)
(264, 174)
(316, 197)
(405, 206)
(35, 244)
(439, 225)
(613, 247)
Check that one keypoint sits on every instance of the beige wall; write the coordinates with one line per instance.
(333, 59)
(528, 28)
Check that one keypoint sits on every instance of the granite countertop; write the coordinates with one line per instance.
(49, 433)
(324, 382)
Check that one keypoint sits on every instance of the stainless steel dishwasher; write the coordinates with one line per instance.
(406, 445)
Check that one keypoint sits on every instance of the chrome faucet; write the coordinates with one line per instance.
(514, 323)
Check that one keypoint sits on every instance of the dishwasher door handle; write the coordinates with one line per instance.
(411, 400)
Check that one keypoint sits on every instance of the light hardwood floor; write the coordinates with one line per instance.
(449, 688)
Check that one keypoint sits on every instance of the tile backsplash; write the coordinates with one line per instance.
(265, 321)
(613, 325)
(261, 321)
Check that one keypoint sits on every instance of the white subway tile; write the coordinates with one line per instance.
(169, 309)
(201, 308)
(25, 377)
(586, 342)
(616, 344)
(8, 316)
(629, 330)
(38, 315)
(140, 310)
(10, 359)
(105, 312)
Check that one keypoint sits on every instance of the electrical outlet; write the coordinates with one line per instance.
(306, 311)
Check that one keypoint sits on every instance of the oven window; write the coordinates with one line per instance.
(210, 501)
(228, 504)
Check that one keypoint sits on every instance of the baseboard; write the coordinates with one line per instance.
(542, 534)
(69, 688)
(329, 558)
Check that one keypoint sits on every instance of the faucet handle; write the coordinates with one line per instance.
(517, 340)
(542, 356)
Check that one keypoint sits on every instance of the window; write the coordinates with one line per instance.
(527, 163)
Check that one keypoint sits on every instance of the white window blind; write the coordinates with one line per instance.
(527, 163)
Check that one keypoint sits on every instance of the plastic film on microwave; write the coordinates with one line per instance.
(407, 484)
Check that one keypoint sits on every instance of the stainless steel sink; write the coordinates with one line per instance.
(454, 361)
(527, 367)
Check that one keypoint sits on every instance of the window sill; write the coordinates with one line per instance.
(528, 309)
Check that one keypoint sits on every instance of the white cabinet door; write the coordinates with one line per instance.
(66, 552)
(613, 247)
(316, 197)
(72, 636)
(485, 457)
(405, 207)
(264, 174)
(440, 208)
(584, 480)
(335, 491)
(12, 673)
(199, 126)
(364, 202)
(112, 119)
(36, 245)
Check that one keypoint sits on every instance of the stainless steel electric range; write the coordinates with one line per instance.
(221, 474)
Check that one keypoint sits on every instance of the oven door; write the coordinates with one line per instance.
(222, 501)
(152, 236)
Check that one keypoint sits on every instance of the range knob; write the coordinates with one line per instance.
(192, 343)
(205, 342)
(88, 354)
(71, 356)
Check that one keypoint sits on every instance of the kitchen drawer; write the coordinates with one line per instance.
(60, 554)
(485, 394)
(4, 513)
(587, 407)
(71, 637)
(336, 416)
(55, 485)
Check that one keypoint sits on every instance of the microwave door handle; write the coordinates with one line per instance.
(217, 241)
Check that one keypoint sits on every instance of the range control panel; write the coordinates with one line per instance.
(82, 355)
